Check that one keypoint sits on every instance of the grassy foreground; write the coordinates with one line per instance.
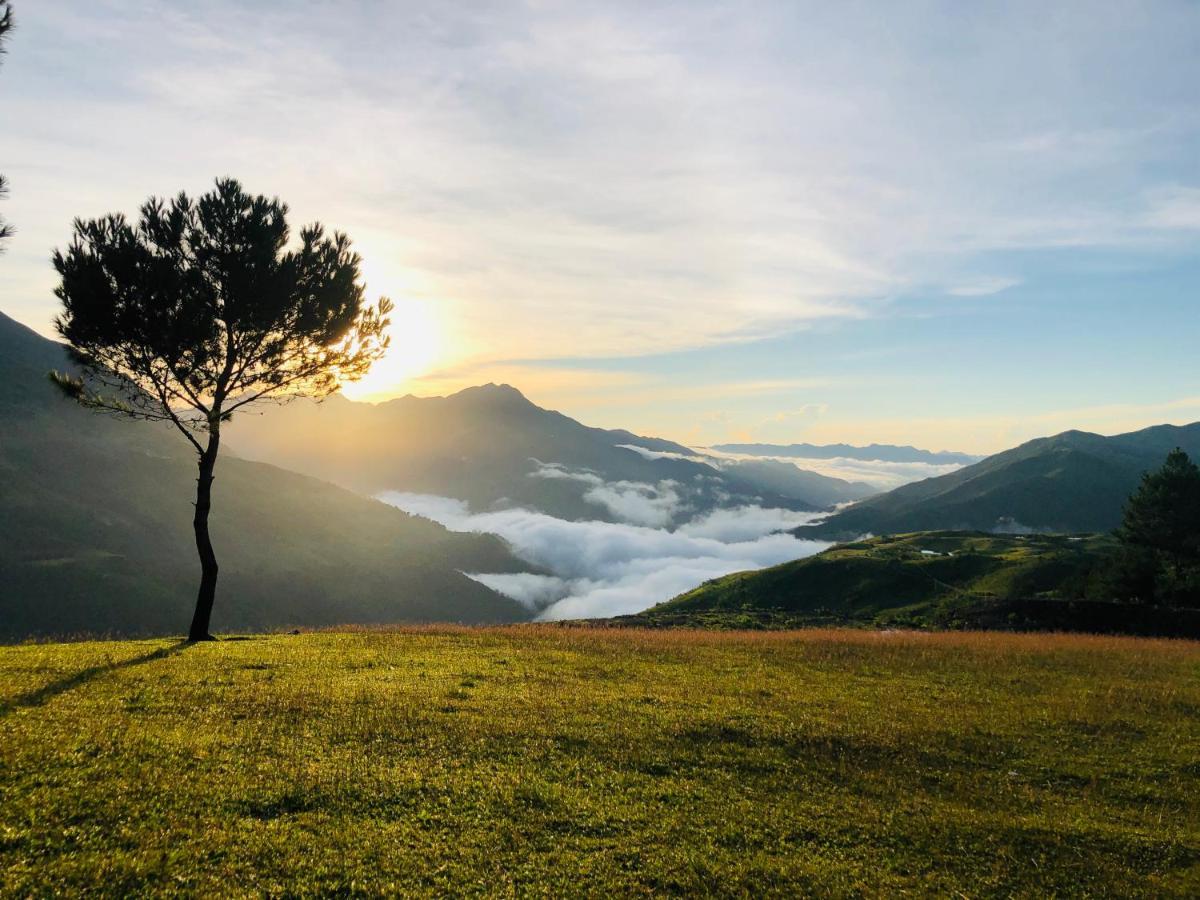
(544, 760)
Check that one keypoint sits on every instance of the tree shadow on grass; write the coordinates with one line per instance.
(48, 692)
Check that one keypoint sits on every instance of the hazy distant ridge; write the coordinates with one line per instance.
(870, 453)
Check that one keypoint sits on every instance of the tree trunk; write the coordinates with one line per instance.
(208, 558)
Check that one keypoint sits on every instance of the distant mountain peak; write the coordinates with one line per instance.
(500, 389)
(487, 394)
(490, 393)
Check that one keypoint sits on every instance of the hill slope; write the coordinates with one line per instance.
(906, 578)
(96, 518)
(1072, 482)
(928, 579)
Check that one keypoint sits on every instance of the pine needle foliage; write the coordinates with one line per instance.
(203, 307)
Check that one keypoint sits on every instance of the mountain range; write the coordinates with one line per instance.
(96, 519)
(492, 447)
(96, 513)
(1072, 482)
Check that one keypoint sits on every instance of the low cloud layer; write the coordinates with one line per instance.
(882, 474)
(647, 453)
(637, 502)
(597, 569)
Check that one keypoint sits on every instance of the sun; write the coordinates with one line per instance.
(416, 345)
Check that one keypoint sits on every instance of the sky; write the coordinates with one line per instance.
(957, 226)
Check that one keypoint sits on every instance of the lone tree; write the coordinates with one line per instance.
(202, 309)
(1162, 518)
(6, 24)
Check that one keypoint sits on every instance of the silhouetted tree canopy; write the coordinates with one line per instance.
(1164, 514)
(6, 25)
(200, 309)
(1161, 530)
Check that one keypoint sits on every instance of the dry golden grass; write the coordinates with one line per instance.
(594, 761)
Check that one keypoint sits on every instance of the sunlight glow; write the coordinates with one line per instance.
(416, 345)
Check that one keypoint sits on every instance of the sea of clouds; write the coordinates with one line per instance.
(597, 569)
(882, 474)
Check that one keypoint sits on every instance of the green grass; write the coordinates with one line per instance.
(547, 760)
(935, 579)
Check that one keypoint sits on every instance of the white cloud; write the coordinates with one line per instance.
(603, 569)
(559, 472)
(641, 504)
(878, 473)
(792, 416)
(636, 502)
(622, 178)
(746, 523)
(1175, 208)
(647, 453)
(983, 286)
(431, 506)
(534, 592)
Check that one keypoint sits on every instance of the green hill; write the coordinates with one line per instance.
(96, 518)
(927, 579)
(1071, 483)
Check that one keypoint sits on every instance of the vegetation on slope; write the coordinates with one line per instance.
(563, 761)
(928, 579)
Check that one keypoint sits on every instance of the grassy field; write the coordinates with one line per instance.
(548, 760)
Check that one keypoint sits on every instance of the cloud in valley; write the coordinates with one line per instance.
(745, 523)
(647, 453)
(534, 592)
(599, 569)
(878, 473)
(882, 474)
(638, 502)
